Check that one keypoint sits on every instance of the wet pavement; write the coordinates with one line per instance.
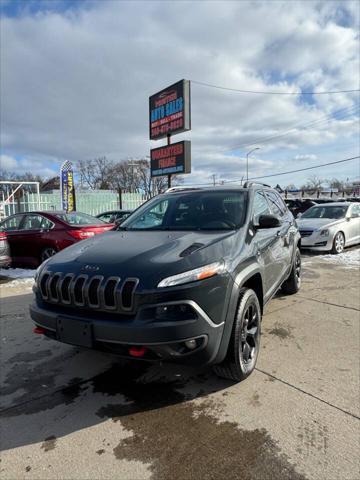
(72, 413)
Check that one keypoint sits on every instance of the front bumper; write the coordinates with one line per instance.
(317, 242)
(163, 340)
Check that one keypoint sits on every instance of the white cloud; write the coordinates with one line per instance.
(76, 85)
(305, 158)
(8, 163)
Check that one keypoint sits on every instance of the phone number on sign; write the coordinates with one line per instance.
(171, 126)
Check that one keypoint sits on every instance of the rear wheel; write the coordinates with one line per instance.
(47, 253)
(244, 343)
(338, 243)
(293, 283)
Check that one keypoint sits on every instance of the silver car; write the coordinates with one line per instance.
(330, 226)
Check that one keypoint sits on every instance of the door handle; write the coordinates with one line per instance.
(278, 233)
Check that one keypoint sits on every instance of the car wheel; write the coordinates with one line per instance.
(338, 243)
(47, 253)
(244, 342)
(293, 283)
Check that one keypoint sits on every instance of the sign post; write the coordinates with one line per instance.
(67, 187)
(169, 114)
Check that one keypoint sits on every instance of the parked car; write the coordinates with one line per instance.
(5, 259)
(297, 205)
(35, 236)
(330, 226)
(114, 216)
(185, 278)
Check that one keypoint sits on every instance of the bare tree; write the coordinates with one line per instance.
(94, 173)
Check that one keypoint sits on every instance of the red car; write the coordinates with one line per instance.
(35, 236)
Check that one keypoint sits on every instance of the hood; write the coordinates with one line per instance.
(317, 223)
(143, 254)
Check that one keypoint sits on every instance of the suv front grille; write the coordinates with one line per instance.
(306, 233)
(94, 292)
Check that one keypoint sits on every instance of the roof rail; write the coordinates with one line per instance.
(177, 189)
(248, 184)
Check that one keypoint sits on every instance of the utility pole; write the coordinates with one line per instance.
(214, 179)
(169, 176)
(247, 162)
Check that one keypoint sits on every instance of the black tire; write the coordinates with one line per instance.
(338, 243)
(243, 348)
(293, 283)
(47, 253)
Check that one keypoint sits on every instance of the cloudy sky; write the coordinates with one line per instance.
(76, 77)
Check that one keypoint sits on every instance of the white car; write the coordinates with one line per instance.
(330, 226)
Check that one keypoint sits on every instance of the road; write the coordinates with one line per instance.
(70, 413)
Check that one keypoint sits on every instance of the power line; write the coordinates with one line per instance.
(281, 173)
(219, 87)
(343, 113)
(298, 170)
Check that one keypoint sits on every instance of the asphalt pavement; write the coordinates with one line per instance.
(68, 413)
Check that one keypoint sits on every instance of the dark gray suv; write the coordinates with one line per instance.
(185, 278)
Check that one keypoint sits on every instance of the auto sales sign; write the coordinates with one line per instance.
(170, 159)
(169, 110)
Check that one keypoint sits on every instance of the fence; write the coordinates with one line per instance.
(93, 202)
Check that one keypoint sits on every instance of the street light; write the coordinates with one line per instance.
(247, 162)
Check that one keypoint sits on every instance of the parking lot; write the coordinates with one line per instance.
(71, 413)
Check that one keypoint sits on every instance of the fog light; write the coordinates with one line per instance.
(190, 344)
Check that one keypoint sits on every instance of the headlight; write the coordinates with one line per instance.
(193, 275)
(324, 233)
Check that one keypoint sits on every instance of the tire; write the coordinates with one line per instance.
(243, 348)
(293, 283)
(47, 253)
(338, 243)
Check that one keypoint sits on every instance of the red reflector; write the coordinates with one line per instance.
(39, 330)
(137, 351)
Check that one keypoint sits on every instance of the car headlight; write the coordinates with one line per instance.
(193, 275)
(324, 233)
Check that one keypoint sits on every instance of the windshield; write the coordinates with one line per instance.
(76, 218)
(190, 211)
(333, 212)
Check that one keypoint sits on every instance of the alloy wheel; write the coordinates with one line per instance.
(298, 268)
(47, 253)
(339, 242)
(249, 341)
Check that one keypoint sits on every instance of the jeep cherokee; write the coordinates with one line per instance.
(185, 278)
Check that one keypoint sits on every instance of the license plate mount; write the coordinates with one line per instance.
(75, 332)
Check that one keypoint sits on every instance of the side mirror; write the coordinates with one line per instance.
(269, 221)
(299, 215)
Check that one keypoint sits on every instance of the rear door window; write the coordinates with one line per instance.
(36, 222)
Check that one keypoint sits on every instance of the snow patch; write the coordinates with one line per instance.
(17, 273)
(20, 277)
(347, 259)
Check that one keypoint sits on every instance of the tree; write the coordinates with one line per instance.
(94, 173)
(335, 183)
(313, 183)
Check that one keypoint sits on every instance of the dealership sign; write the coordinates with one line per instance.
(67, 187)
(170, 159)
(169, 110)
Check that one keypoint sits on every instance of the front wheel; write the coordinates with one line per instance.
(293, 283)
(244, 343)
(338, 243)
